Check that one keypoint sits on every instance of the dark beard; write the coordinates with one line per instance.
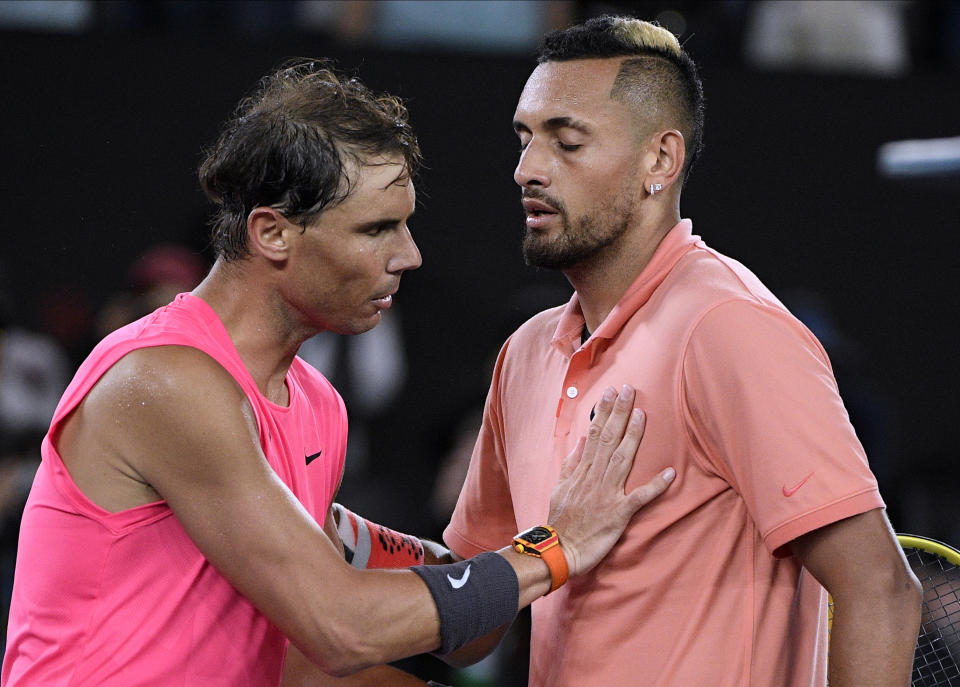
(575, 245)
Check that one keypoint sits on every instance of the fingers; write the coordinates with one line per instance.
(621, 461)
(643, 495)
(608, 425)
(601, 413)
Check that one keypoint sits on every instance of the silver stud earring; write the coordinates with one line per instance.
(655, 187)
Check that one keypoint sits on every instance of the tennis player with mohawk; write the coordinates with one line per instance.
(724, 583)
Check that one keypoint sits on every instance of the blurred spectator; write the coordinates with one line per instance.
(34, 371)
(65, 312)
(851, 36)
(879, 37)
(153, 280)
(489, 26)
(70, 16)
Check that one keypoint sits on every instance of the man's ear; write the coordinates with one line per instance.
(667, 152)
(268, 233)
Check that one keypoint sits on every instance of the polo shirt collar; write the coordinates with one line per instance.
(673, 246)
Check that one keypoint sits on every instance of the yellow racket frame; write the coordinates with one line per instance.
(938, 548)
(911, 541)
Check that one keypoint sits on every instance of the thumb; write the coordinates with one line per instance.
(643, 495)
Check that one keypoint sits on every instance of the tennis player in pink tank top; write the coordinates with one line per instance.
(181, 528)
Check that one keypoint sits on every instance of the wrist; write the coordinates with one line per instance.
(543, 542)
(533, 575)
(572, 557)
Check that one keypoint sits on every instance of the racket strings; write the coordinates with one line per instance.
(937, 658)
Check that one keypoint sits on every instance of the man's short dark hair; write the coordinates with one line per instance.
(657, 75)
(292, 146)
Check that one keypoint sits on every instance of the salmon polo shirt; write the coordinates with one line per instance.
(740, 398)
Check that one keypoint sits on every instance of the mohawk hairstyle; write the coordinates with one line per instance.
(658, 75)
(291, 144)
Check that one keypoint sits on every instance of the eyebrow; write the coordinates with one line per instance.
(384, 222)
(555, 123)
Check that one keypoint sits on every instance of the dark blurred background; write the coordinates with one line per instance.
(108, 105)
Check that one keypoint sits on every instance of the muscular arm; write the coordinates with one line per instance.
(170, 421)
(299, 671)
(876, 599)
(433, 554)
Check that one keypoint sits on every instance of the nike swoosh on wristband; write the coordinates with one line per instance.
(313, 457)
(455, 583)
(790, 491)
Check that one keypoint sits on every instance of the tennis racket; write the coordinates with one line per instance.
(936, 660)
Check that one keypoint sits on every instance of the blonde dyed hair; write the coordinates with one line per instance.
(657, 78)
(646, 35)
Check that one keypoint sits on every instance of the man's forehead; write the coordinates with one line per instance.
(569, 84)
(379, 172)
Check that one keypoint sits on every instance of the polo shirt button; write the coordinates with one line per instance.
(572, 392)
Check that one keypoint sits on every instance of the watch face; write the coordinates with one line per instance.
(537, 535)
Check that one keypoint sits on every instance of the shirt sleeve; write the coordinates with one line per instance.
(763, 407)
(483, 519)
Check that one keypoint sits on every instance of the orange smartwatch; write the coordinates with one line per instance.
(543, 542)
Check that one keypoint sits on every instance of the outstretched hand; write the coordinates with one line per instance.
(589, 507)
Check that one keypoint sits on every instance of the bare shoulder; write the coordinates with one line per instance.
(154, 406)
(162, 370)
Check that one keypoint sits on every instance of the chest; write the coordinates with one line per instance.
(548, 401)
(305, 445)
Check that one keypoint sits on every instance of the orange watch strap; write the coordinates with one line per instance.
(557, 562)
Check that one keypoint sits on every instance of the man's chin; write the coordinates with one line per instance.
(356, 327)
(538, 255)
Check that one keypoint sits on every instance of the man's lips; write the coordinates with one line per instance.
(536, 207)
(384, 302)
(539, 213)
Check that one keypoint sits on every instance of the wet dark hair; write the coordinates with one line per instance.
(657, 74)
(293, 144)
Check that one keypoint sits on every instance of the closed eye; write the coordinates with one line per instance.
(379, 227)
(568, 146)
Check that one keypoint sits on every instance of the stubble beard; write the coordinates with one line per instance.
(580, 239)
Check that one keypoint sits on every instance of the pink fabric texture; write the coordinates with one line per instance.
(126, 598)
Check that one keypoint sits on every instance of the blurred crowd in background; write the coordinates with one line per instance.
(40, 350)
(864, 36)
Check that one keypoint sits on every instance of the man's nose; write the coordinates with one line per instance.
(532, 168)
(407, 256)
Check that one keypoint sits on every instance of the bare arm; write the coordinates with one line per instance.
(876, 599)
(300, 671)
(171, 420)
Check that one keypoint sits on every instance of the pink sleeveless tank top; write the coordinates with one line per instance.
(125, 599)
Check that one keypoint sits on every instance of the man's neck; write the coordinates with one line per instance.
(601, 281)
(262, 330)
